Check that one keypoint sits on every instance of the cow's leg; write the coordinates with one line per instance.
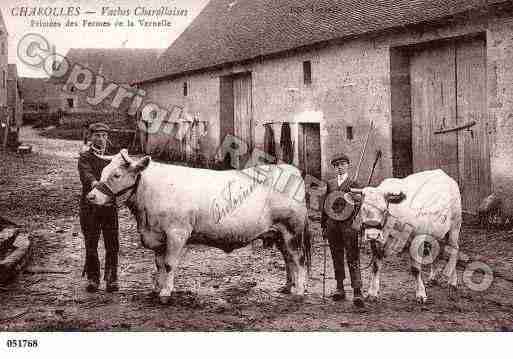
(433, 272)
(155, 241)
(378, 254)
(175, 243)
(453, 250)
(417, 258)
(420, 294)
(287, 288)
(296, 272)
(159, 276)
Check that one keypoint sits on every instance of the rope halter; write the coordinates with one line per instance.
(106, 190)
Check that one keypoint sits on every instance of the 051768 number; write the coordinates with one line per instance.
(21, 343)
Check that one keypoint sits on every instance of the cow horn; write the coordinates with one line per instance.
(124, 155)
(106, 158)
(356, 190)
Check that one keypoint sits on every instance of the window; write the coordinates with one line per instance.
(4, 79)
(71, 103)
(185, 89)
(349, 133)
(3, 48)
(307, 72)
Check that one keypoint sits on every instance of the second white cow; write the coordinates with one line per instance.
(423, 207)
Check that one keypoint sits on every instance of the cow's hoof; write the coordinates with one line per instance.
(285, 290)
(164, 299)
(295, 290)
(432, 282)
(421, 299)
(372, 298)
(453, 293)
(297, 298)
(156, 289)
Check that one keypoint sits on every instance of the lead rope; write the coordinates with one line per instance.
(324, 266)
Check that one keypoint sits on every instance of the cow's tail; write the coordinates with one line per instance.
(306, 245)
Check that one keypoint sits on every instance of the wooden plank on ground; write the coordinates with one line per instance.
(16, 260)
(7, 237)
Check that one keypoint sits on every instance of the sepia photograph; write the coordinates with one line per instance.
(256, 166)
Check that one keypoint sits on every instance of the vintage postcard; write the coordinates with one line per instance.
(255, 166)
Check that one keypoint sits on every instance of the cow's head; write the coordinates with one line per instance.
(373, 213)
(120, 176)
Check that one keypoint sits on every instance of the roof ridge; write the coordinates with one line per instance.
(225, 33)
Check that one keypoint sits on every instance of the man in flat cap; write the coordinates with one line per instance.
(97, 219)
(337, 217)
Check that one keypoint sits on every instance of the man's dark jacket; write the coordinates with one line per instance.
(90, 169)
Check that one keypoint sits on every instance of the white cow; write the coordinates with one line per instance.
(176, 205)
(423, 207)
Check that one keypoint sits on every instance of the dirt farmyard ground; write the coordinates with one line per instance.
(214, 290)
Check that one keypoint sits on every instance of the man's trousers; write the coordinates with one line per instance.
(344, 240)
(95, 220)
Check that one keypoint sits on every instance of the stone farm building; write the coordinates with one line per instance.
(434, 77)
(39, 95)
(121, 66)
(5, 124)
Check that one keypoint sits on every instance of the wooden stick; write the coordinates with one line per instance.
(378, 156)
(324, 267)
(363, 151)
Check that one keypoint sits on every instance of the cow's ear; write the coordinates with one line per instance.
(353, 198)
(395, 198)
(142, 164)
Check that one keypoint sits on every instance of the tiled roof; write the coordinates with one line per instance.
(228, 31)
(123, 66)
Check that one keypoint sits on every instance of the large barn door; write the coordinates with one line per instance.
(448, 90)
(434, 107)
(243, 109)
(474, 154)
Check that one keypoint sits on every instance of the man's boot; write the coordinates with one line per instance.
(357, 298)
(92, 285)
(339, 295)
(111, 280)
(112, 287)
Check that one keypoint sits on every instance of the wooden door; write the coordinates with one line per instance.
(433, 107)
(243, 109)
(448, 89)
(473, 145)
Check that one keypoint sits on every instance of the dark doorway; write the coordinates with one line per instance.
(310, 149)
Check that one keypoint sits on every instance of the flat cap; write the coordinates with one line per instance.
(339, 157)
(98, 127)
